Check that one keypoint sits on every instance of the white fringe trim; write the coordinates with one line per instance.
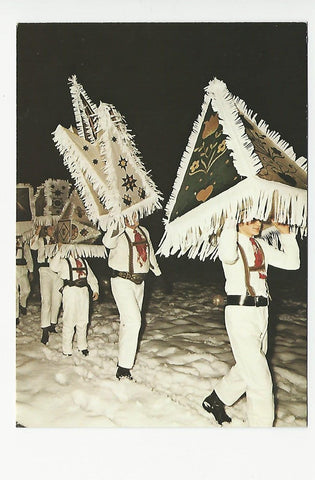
(237, 140)
(302, 162)
(78, 250)
(245, 160)
(82, 172)
(190, 233)
(76, 90)
(46, 220)
(26, 230)
(271, 134)
(117, 127)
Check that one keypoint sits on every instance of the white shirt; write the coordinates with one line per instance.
(118, 258)
(38, 243)
(27, 253)
(61, 266)
(233, 266)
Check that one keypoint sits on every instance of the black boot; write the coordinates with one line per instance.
(23, 310)
(123, 373)
(52, 328)
(45, 335)
(212, 404)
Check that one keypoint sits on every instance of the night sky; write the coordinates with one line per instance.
(155, 75)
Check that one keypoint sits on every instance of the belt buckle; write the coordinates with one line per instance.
(256, 301)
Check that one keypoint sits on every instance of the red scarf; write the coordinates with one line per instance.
(142, 248)
(259, 258)
(80, 270)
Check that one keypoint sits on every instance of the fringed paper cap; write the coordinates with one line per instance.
(50, 199)
(104, 162)
(24, 210)
(231, 167)
(76, 232)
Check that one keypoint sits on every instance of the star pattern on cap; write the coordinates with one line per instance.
(141, 192)
(127, 199)
(129, 182)
(123, 163)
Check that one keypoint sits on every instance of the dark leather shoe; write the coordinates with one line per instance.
(212, 404)
(23, 310)
(123, 373)
(85, 352)
(52, 328)
(17, 321)
(45, 335)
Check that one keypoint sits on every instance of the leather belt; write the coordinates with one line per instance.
(20, 261)
(247, 300)
(80, 282)
(136, 278)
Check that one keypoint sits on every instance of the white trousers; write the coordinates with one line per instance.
(128, 297)
(75, 314)
(50, 283)
(247, 330)
(23, 287)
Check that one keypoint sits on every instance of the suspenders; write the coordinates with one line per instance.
(71, 268)
(22, 260)
(249, 269)
(133, 244)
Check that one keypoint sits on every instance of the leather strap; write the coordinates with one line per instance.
(131, 245)
(249, 288)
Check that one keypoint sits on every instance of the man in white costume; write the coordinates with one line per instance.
(24, 274)
(245, 261)
(76, 275)
(131, 257)
(50, 282)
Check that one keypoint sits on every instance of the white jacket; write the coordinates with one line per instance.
(119, 251)
(229, 254)
(60, 266)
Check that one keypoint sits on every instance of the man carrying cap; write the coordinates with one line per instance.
(131, 257)
(245, 260)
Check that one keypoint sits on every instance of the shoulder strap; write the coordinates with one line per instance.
(70, 269)
(147, 243)
(130, 253)
(85, 265)
(249, 288)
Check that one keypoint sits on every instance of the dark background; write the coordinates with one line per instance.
(155, 75)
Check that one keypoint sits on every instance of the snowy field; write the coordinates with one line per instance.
(183, 351)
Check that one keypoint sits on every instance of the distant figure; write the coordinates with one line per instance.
(50, 283)
(245, 261)
(131, 257)
(77, 276)
(24, 275)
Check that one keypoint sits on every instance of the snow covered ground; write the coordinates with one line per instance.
(183, 351)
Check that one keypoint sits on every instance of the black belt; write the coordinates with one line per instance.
(136, 278)
(20, 261)
(43, 264)
(80, 282)
(247, 301)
